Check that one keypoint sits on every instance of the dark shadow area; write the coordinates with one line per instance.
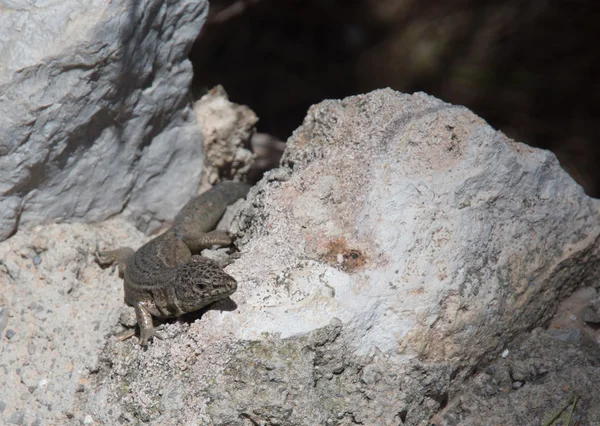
(529, 68)
(227, 305)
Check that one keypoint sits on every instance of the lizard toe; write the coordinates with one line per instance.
(149, 334)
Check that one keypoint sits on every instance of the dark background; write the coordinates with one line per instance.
(530, 68)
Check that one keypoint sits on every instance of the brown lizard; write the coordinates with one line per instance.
(165, 277)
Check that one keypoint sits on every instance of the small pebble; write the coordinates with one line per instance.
(517, 384)
(127, 317)
(505, 353)
(3, 318)
(88, 420)
(589, 315)
(37, 260)
(572, 336)
(10, 333)
(16, 418)
(2, 406)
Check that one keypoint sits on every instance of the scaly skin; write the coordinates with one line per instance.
(164, 277)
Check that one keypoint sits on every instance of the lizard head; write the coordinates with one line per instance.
(201, 282)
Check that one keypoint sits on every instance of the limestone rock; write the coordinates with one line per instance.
(553, 372)
(61, 308)
(390, 272)
(403, 245)
(227, 129)
(93, 114)
(416, 216)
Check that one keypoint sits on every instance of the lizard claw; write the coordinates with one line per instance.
(148, 334)
(115, 258)
(104, 258)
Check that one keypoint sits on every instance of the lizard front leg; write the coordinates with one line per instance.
(119, 257)
(144, 319)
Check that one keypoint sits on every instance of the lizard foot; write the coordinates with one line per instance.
(148, 334)
(114, 258)
(105, 258)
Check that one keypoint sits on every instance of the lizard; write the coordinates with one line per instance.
(165, 277)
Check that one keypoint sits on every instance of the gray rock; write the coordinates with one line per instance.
(589, 315)
(16, 418)
(572, 336)
(127, 317)
(94, 111)
(80, 322)
(555, 372)
(3, 318)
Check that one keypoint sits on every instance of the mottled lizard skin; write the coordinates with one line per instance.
(165, 278)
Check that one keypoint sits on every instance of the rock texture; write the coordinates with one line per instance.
(402, 246)
(56, 310)
(227, 129)
(390, 273)
(94, 114)
(538, 378)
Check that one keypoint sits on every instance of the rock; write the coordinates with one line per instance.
(227, 129)
(80, 321)
(430, 212)
(127, 317)
(555, 372)
(3, 318)
(572, 336)
(401, 247)
(590, 315)
(517, 384)
(94, 111)
(16, 418)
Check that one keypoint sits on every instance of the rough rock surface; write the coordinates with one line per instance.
(403, 245)
(57, 308)
(94, 110)
(227, 129)
(537, 378)
(402, 249)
